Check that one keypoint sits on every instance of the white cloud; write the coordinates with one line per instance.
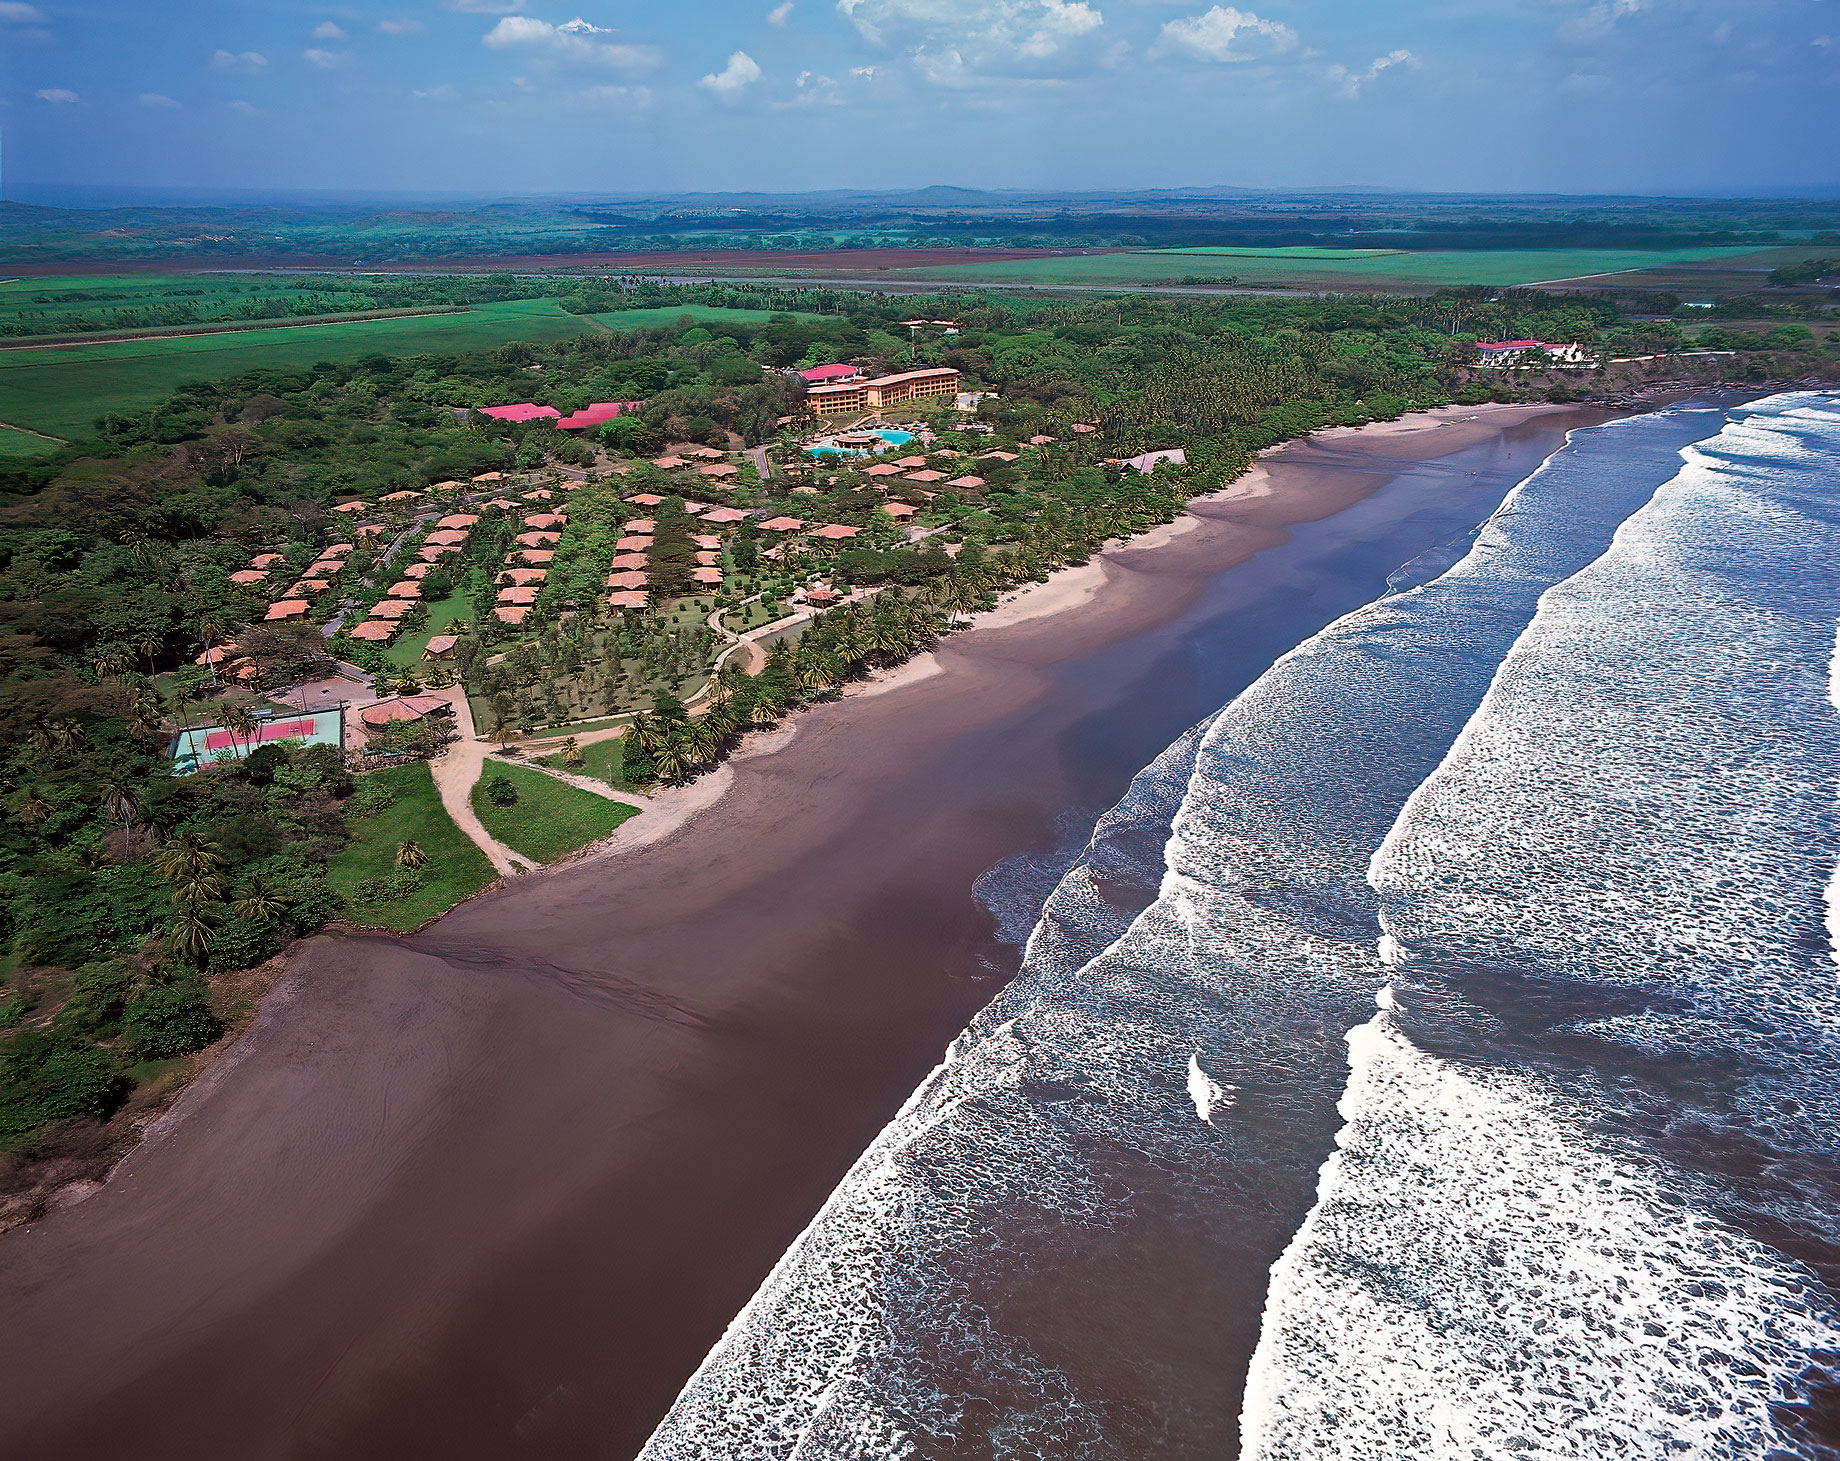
(780, 13)
(328, 30)
(741, 72)
(866, 73)
(616, 96)
(571, 42)
(1226, 34)
(238, 60)
(938, 35)
(244, 109)
(1599, 18)
(18, 14)
(434, 93)
(57, 96)
(401, 27)
(812, 90)
(486, 7)
(159, 101)
(1353, 84)
(325, 60)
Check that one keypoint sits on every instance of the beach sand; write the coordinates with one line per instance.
(495, 1189)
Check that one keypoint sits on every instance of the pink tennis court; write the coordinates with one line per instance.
(198, 747)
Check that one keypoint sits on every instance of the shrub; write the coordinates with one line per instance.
(390, 887)
(46, 1077)
(98, 995)
(371, 797)
(242, 943)
(171, 1019)
(501, 792)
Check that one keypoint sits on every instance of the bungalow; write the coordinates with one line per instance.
(721, 516)
(627, 580)
(523, 576)
(708, 453)
(537, 540)
(489, 477)
(627, 599)
(708, 560)
(515, 595)
(885, 469)
(899, 509)
(287, 609)
(307, 587)
(440, 646)
(511, 613)
(503, 504)
(641, 525)
(1083, 428)
(406, 588)
(820, 595)
(246, 577)
(335, 550)
(712, 577)
(404, 709)
(1039, 440)
(546, 521)
(998, 456)
(392, 609)
(638, 543)
(522, 411)
(782, 525)
(418, 570)
(966, 483)
(542, 494)
(622, 561)
(668, 464)
(375, 631)
(350, 507)
(370, 530)
(444, 538)
(928, 477)
(535, 557)
(436, 550)
(836, 532)
(645, 499)
(720, 469)
(403, 496)
(217, 653)
(909, 463)
(706, 540)
(266, 560)
(458, 520)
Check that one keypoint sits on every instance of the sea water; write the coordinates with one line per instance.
(1467, 1087)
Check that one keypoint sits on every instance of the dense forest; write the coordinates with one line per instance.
(129, 892)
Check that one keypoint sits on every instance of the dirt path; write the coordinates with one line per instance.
(28, 431)
(455, 772)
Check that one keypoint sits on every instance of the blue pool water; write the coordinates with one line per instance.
(893, 438)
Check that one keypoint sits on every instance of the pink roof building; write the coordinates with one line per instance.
(782, 525)
(418, 571)
(535, 557)
(511, 613)
(635, 544)
(333, 550)
(515, 595)
(706, 540)
(349, 507)
(502, 504)
(406, 588)
(433, 551)
(710, 576)
(998, 456)
(1082, 428)
(537, 540)
(287, 609)
(523, 577)
(597, 414)
(245, 577)
(645, 499)
(626, 580)
(392, 609)
(823, 375)
(445, 537)
(709, 560)
(540, 494)
(490, 477)
(308, 586)
(458, 520)
(835, 532)
(899, 509)
(266, 560)
(627, 599)
(668, 464)
(641, 525)
(968, 482)
(375, 631)
(439, 645)
(523, 411)
(1039, 440)
(721, 516)
(928, 476)
(911, 462)
(884, 469)
(402, 709)
(621, 561)
(402, 496)
(545, 521)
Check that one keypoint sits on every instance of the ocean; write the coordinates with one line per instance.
(1431, 1056)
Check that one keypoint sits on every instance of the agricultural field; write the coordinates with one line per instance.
(50, 306)
(63, 389)
(701, 314)
(22, 446)
(1329, 269)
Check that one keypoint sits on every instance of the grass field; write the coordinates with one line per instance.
(457, 605)
(22, 446)
(64, 389)
(702, 314)
(551, 818)
(604, 759)
(1322, 268)
(455, 868)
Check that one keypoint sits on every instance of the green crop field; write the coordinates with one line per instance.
(63, 389)
(702, 314)
(22, 446)
(1321, 268)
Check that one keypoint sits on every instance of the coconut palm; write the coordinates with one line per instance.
(648, 732)
(193, 928)
(32, 807)
(149, 645)
(193, 866)
(670, 761)
(704, 743)
(241, 724)
(409, 854)
(259, 904)
(121, 802)
(572, 752)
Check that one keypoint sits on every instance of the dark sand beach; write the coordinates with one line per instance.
(493, 1190)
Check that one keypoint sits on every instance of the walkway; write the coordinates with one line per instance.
(455, 771)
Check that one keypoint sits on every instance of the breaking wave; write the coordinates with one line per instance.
(1576, 807)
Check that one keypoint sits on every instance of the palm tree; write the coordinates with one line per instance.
(669, 760)
(503, 733)
(190, 862)
(121, 802)
(259, 904)
(192, 927)
(150, 644)
(571, 752)
(209, 630)
(239, 722)
(703, 741)
(110, 660)
(57, 737)
(647, 732)
(143, 712)
(762, 711)
(32, 807)
(409, 854)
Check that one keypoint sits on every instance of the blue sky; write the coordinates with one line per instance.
(528, 96)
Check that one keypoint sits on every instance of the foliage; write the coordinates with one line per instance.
(549, 818)
(171, 1019)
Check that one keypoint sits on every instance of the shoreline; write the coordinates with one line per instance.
(458, 1186)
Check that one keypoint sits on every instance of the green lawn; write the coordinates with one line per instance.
(63, 389)
(22, 446)
(1323, 268)
(455, 868)
(605, 759)
(408, 650)
(551, 818)
(702, 314)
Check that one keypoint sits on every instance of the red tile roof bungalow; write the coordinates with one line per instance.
(967, 481)
(437, 550)
(819, 594)
(782, 525)
(537, 540)
(638, 544)
(489, 477)
(628, 579)
(522, 411)
(541, 494)
(708, 560)
(998, 456)
(418, 570)
(370, 530)
(244, 577)
(640, 525)
(708, 453)
(884, 469)
(267, 560)
(668, 464)
(645, 499)
(287, 609)
(535, 557)
(706, 540)
(349, 507)
(899, 509)
(627, 599)
(626, 560)
(835, 532)
(440, 645)
(710, 576)
(597, 414)
(927, 476)
(375, 631)
(217, 653)
(911, 462)
(403, 496)
(511, 613)
(1040, 440)
(515, 595)
(502, 504)
(444, 537)
(333, 550)
(308, 586)
(406, 588)
(718, 469)
(392, 609)
(523, 576)
(544, 521)
(458, 520)
(721, 516)
(1083, 428)
(402, 709)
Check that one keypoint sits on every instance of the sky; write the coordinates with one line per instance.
(517, 97)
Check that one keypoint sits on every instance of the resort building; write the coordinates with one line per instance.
(829, 375)
(884, 391)
(1497, 353)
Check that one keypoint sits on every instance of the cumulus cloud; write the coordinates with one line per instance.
(18, 14)
(486, 7)
(1226, 33)
(58, 96)
(325, 60)
(328, 30)
(401, 27)
(222, 60)
(1001, 34)
(1599, 18)
(159, 101)
(1353, 84)
(741, 72)
(780, 13)
(573, 41)
(244, 109)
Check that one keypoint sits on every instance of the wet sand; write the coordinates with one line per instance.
(495, 1189)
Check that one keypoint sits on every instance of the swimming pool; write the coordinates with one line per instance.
(831, 449)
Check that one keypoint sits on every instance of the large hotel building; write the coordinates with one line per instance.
(884, 391)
